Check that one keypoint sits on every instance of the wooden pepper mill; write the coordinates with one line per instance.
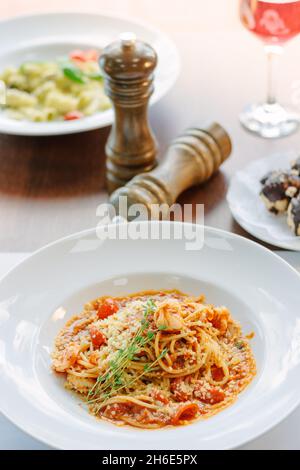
(128, 66)
(191, 159)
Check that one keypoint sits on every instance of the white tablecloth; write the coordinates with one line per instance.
(284, 436)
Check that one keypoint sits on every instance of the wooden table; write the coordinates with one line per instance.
(51, 186)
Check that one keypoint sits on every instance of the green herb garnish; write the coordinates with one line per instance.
(115, 378)
(76, 74)
(95, 76)
(73, 73)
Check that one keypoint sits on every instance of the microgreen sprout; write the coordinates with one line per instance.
(116, 379)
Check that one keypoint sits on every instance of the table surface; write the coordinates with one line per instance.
(51, 186)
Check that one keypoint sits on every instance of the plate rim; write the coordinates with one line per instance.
(285, 412)
(249, 230)
(248, 227)
(157, 96)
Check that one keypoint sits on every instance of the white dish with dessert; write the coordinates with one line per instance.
(264, 199)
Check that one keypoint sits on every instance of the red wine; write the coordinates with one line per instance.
(273, 21)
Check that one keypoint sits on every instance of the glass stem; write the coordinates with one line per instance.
(273, 53)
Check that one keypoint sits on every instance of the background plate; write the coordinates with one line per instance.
(248, 209)
(48, 36)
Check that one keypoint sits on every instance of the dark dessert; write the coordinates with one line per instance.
(278, 189)
(296, 166)
(281, 193)
(268, 175)
(293, 218)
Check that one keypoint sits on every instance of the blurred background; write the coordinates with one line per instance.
(50, 187)
(170, 14)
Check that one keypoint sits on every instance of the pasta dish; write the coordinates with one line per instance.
(154, 359)
(64, 89)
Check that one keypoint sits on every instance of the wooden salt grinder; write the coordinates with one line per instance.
(128, 66)
(191, 159)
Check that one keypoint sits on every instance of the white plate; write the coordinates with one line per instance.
(248, 209)
(48, 36)
(38, 295)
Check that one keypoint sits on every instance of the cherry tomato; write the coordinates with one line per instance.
(216, 396)
(212, 396)
(77, 54)
(97, 337)
(208, 395)
(185, 413)
(91, 55)
(217, 373)
(181, 392)
(72, 115)
(107, 308)
(159, 396)
(117, 410)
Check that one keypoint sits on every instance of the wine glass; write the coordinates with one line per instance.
(275, 22)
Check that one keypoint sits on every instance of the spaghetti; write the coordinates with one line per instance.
(154, 358)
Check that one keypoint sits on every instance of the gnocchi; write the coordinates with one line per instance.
(65, 89)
